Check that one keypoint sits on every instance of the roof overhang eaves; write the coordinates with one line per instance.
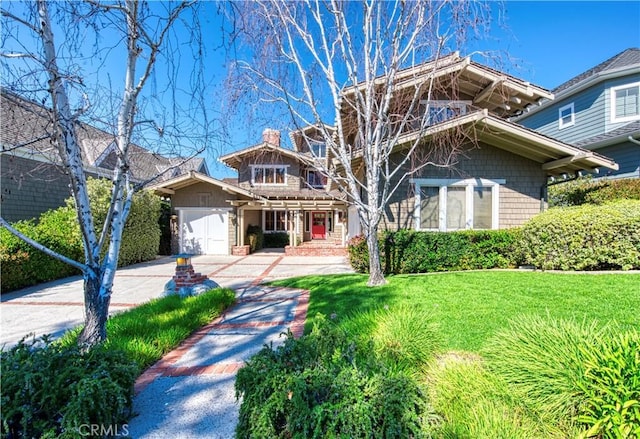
(193, 177)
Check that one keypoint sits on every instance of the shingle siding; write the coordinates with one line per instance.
(30, 188)
(519, 197)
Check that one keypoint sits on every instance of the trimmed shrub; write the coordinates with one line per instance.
(611, 387)
(587, 237)
(49, 390)
(409, 251)
(22, 265)
(255, 238)
(276, 240)
(589, 191)
(326, 385)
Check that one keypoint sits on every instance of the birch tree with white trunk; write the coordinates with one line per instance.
(54, 69)
(335, 65)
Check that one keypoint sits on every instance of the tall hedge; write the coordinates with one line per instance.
(589, 191)
(21, 265)
(587, 237)
(410, 251)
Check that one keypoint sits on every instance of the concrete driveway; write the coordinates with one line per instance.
(54, 307)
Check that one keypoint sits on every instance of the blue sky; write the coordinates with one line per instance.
(556, 41)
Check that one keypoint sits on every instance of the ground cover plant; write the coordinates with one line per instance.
(328, 384)
(149, 331)
(49, 389)
(521, 354)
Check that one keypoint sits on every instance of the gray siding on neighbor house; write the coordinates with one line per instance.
(30, 188)
(626, 155)
(589, 108)
(519, 199)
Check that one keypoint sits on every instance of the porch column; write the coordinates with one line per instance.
(241, 226)
(343, 226)
(292, 228)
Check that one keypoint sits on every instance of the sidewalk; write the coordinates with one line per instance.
(190, 392)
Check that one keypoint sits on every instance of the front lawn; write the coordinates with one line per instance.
(471, 306)
(517, 354)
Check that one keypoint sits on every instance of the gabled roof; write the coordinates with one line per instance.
(555, 157)
(620, 62)
(190, 178)
(497, 91)
(234, 159)
(27, 128)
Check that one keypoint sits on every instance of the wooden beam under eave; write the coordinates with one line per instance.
(565, 161)
(165, 190)
(486, 92)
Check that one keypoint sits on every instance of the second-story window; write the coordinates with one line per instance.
(269, 174)
(566, 116)
(316, 179)
(318, 149)
(625, 103)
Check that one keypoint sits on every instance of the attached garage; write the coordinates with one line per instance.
(204, 231)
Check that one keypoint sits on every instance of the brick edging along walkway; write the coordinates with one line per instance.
(165, 366)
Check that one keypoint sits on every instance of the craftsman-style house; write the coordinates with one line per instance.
(498, 181)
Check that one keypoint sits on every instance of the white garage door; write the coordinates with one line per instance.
(204, 231)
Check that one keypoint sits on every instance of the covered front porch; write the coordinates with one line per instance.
(313, 226)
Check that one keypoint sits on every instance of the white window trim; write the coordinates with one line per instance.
(612, 103)
(572, 122)
(253, 174)
(272, 212)
(469, 184)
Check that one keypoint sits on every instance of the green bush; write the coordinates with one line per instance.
(409, 251)
(49, 390)
(325, 385)
(611, 387)
(276, 240)
(587, 237)
(589, 191)
(21, 265)
(255, 238)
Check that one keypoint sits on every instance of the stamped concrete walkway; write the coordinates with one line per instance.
(190, 392)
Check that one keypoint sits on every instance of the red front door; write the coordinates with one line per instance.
(318, 225)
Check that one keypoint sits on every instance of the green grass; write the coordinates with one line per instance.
(149, 331)
(470, 307)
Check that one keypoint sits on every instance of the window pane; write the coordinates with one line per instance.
(258, 176)
(268, 175)
(268, 221)
(627, 102)
(429, 207)
(456, 212)
(280, 175)
(482, 207)
(281, 220)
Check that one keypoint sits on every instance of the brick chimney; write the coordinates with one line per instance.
(271, 136)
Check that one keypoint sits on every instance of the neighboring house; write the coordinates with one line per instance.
(598, 110)
(498, 181)
(32, 180)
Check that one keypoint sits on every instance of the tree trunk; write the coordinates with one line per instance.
(376, 276)
(96, 308)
